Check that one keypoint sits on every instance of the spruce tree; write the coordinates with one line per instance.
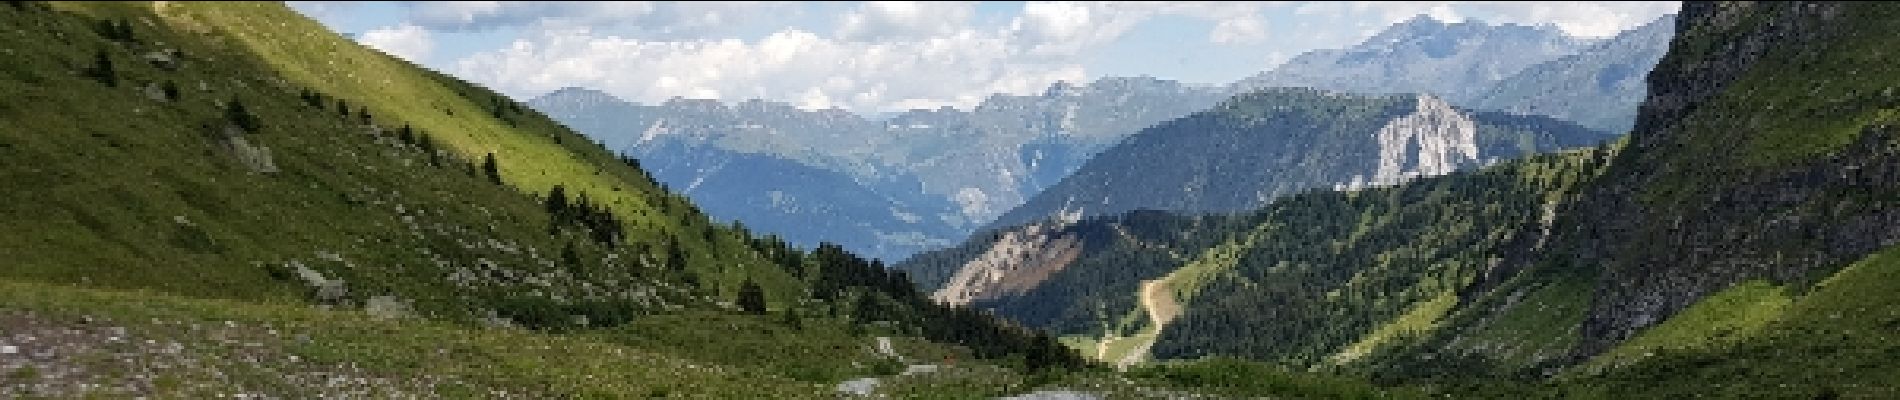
(752, 297)
(241, 117)
(488, 168)
(102, 69)
(557, 203)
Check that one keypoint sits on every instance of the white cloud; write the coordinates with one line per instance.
(884, 56)
(888, 20)
(407, 41)
(1239, 31)
(956, 69)
(673, 19)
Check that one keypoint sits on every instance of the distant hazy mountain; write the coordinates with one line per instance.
(1598, 87)
(938, 174)
(1457, 61)
(1263, 145)
(933, 174)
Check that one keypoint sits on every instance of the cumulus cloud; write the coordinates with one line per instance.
(902, 20)
(887, 56)
(658, 19)
(956, 69)
(407, 41)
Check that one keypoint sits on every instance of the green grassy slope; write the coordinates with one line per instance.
(128, 344)
(1331, 277)
(1755, 340)
(353, 181)
(131, 191)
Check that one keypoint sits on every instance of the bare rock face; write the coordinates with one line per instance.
(255, 157)
(1017, 262)
(1435, 139)
(328, 290)
(388, 307)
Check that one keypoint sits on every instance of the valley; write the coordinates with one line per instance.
(243, 200)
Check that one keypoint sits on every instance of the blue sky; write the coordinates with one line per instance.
(870, 57)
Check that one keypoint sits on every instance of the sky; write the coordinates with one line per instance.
(880, 57)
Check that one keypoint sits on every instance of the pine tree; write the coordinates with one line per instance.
(557, 203)
(102, 69)
(488, 168)
(241, 117)
(792, 319)
(125, 31)
(171, 91)
(570, 258)
(752, 297)
(675, 259)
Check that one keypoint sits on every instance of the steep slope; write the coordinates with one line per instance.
(241, 153)
(309, 201)
(1754, 171)
(1264, 145)
(1455, 61)
(1599, 87)
(941, 172)
(1764, 151)
(1317, 278)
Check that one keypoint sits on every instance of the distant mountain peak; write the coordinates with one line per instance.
(1456, 61)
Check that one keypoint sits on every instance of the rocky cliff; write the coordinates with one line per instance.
(1764, 150)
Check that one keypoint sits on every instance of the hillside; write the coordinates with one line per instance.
(1735, 245)
(1763, 152)
(240, 156)
(1260, 146)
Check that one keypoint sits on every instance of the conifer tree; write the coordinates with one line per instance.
(491, 170)
(752, 297)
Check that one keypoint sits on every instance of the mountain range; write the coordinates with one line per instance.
(925, 177)
(1262, 145)
(1734, 244)
(1456, 61)
(946, 173)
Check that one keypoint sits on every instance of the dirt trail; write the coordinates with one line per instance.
(1157, 300)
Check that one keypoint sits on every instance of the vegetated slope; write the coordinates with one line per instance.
(368, 194)
(1698, 241)
(1295, 282)
(1765, 151)
(1260, 146)
(1755, 172)
(1455, 61)
(1324, 272)
(241, 152)
(1599, 87)
(78, 343)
